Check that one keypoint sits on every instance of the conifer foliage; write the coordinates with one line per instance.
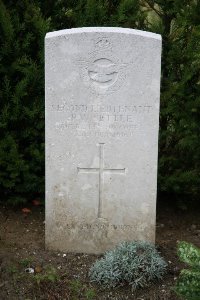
(179, 164)
(23, 24)
(22, 30)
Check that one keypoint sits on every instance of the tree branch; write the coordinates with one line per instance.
(151, 5)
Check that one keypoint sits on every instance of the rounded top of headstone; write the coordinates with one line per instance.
(114, 30)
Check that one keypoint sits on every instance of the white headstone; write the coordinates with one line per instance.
(102, 119)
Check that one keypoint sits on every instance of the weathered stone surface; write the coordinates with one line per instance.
(102, 115)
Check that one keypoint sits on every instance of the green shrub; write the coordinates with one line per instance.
(22, 31)
(188, 284)
(136, 263)
(23, 25)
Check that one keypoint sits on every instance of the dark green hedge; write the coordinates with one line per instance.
(23, 25)
(22, 30)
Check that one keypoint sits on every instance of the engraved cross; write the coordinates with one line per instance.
(101, 170)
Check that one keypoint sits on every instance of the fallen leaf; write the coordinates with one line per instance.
(38, 269)
(26, 210)
(36, 202)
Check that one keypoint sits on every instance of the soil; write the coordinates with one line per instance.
(65, 275)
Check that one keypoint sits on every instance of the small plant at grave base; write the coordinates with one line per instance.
(78, 289)
(26, 262)
(137, 263)
(188, 284)
(90, 294)
(49, 275)
(12, 269)
(16, 276)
